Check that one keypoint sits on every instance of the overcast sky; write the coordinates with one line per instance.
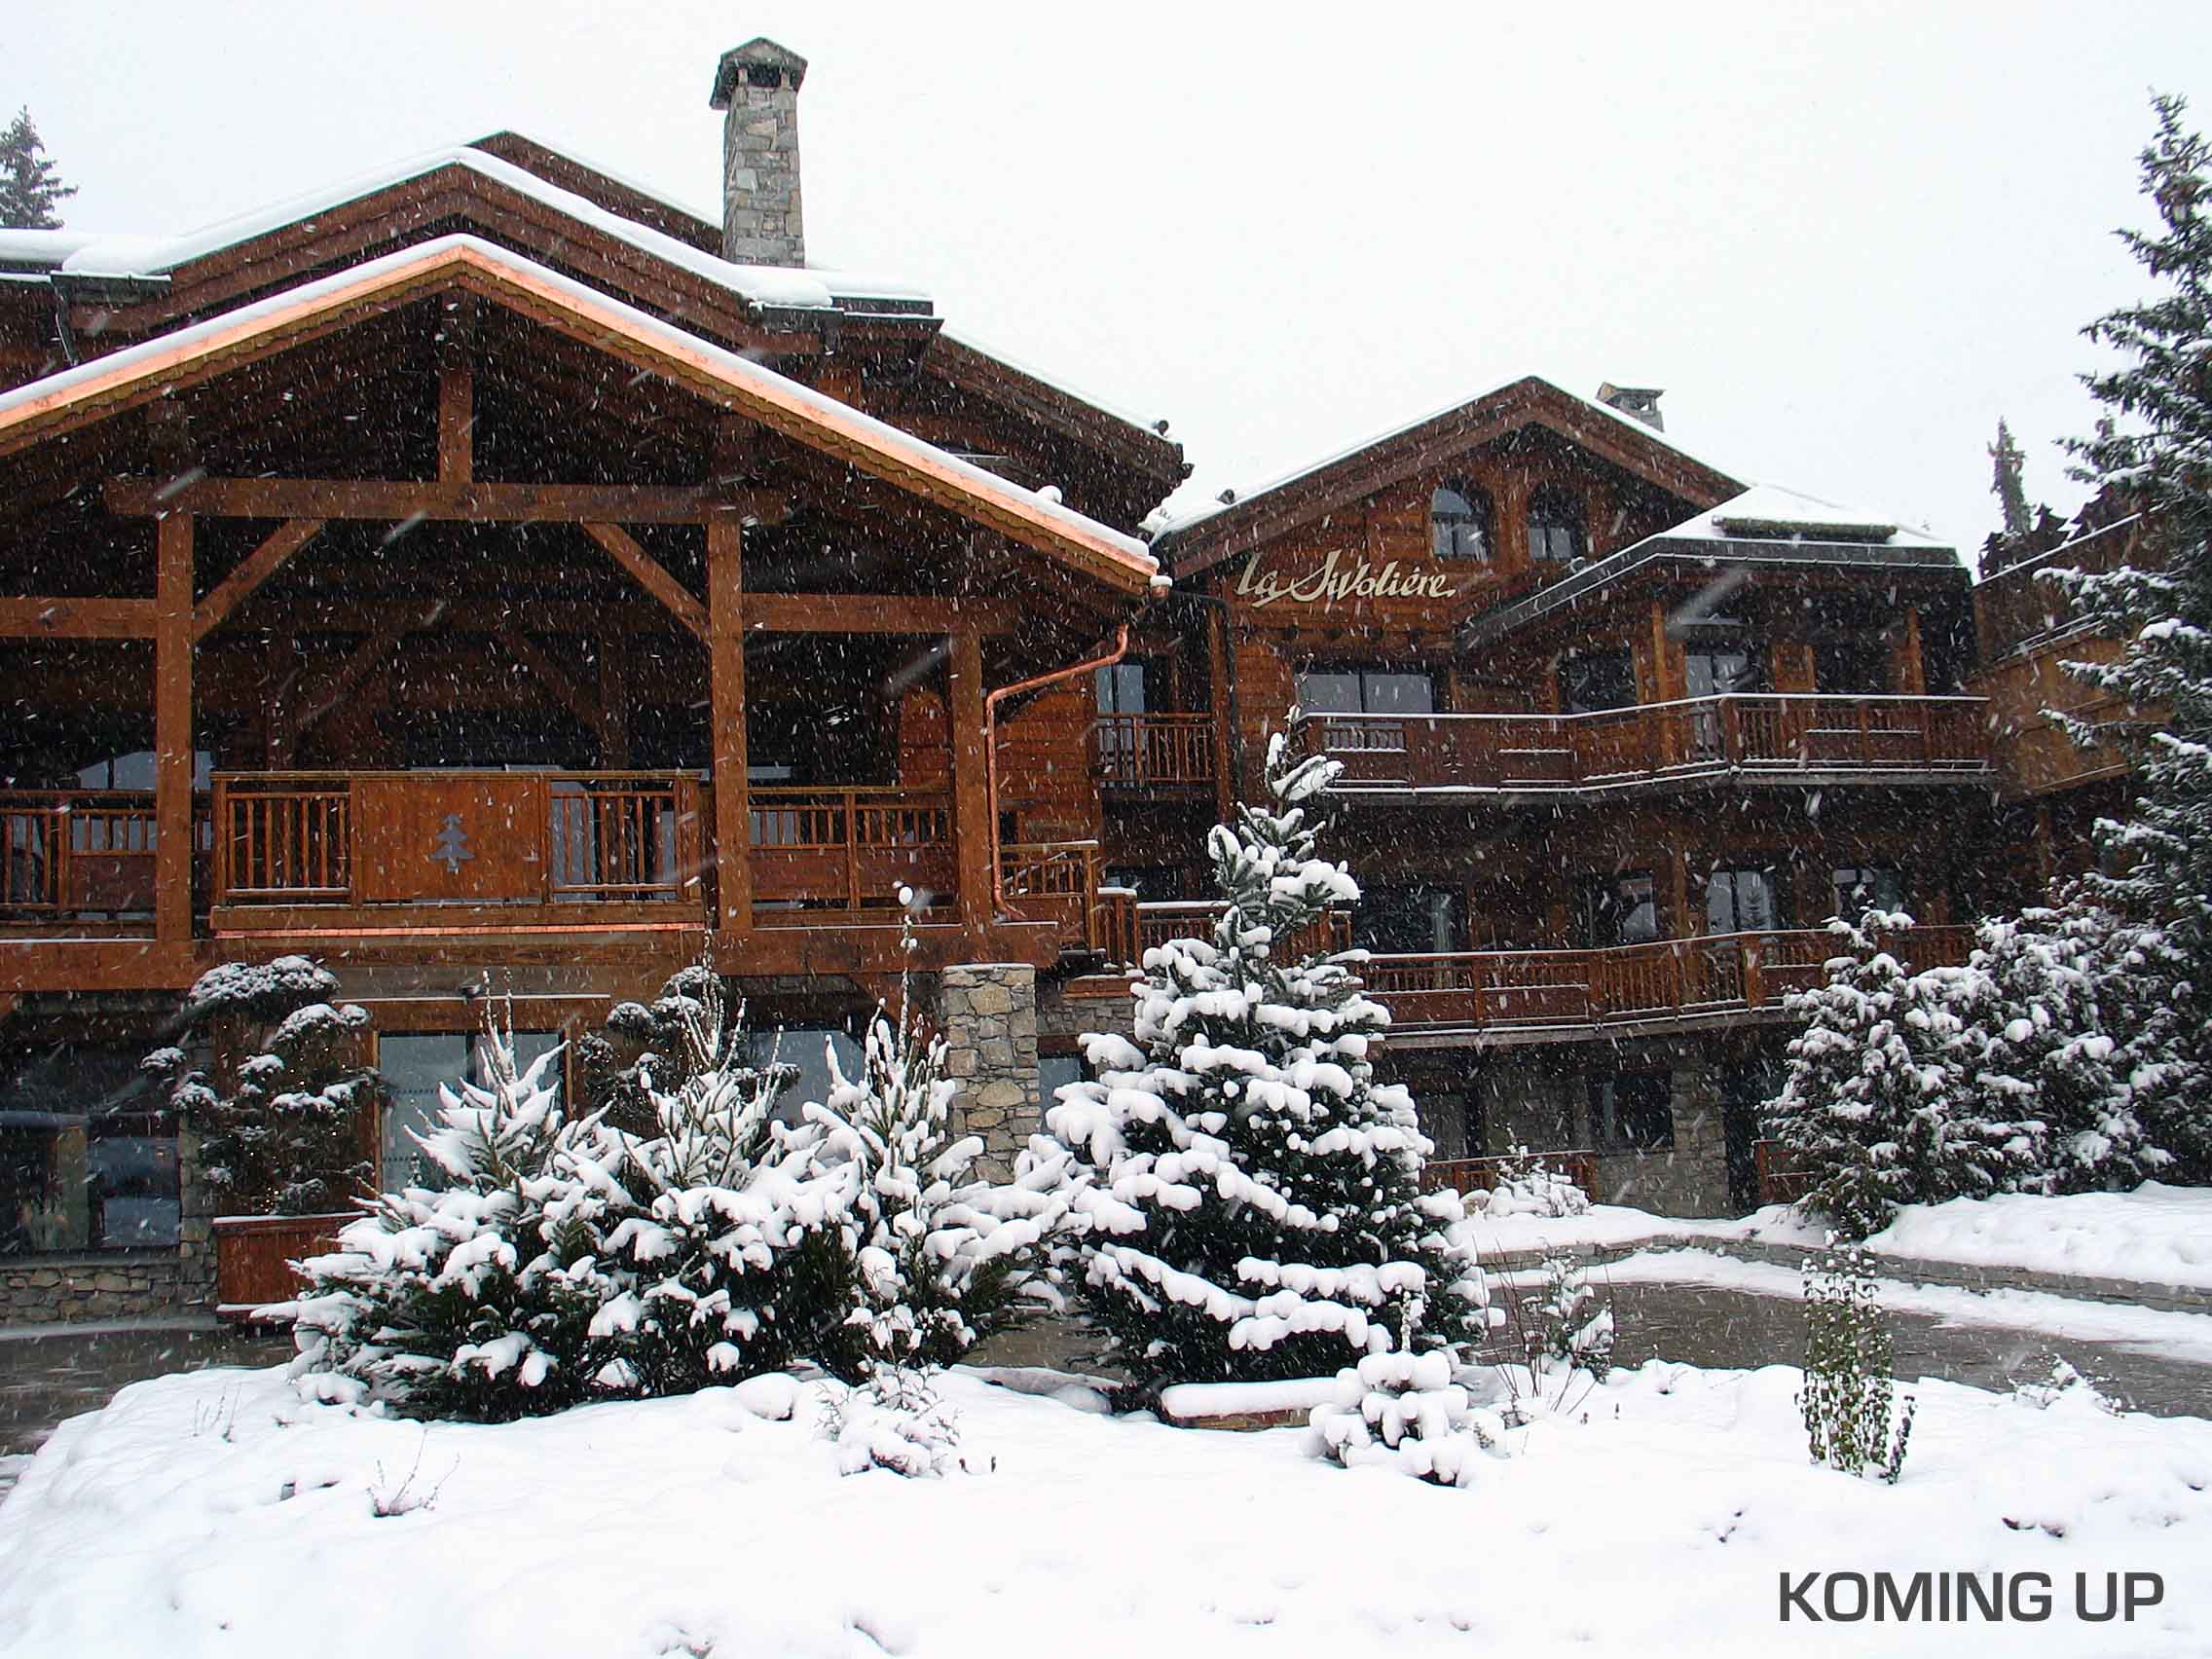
(1845, 238)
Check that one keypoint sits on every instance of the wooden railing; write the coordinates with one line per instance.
(76, 851)
(294, 838)
(1140, 750)
(1056, 881)
(849, 849)
(1483, 1175)
(1131, 929)
(1781, 1178)
(1774, 735)
(1626, 985)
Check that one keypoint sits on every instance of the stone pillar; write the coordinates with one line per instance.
(757, 84)
(196, 1232)
(987, 1011)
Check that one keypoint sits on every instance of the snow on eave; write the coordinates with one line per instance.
(1183, 523)
(116, 378)
(1146, 426)
(1790, 515)
(777, 286)
(40, 250)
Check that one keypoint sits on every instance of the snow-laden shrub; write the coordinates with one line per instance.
(1881, 1104)
(2061, 1384)
(895, 1421)
(1254, 1196)
(1403, 1411)
(1845, 1399)
(933, 1259)
(1526, 1185)
(1564, 1322)
(281, 1133)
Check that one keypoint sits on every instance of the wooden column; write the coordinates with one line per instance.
(1223, 704)
(172, 731)
(726, 682)
(1675, 921)
(971, 795)
(1908, 677)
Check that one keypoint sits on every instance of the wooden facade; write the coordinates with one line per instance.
(471, 576)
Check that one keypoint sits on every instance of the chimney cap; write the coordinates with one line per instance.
(762, 55)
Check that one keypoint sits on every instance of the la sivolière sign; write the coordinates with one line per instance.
(1337, 580)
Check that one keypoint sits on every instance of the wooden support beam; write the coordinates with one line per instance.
(332, 693)
(543, 668)
(456, 393)
(253, 570)
(78, 618)
(971, 792)
(652, 577)
(173, 732)
(877, 614)
(475, 502)
(725, 678)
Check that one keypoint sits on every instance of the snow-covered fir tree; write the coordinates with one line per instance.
(30, 189)
(1880, 1104)
(2155, 445)
(1254, 1196)
(2049, 1052)
(285, 1134)
(936, 1258)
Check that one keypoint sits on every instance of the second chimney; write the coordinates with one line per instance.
(758, 84)
(1641, 402)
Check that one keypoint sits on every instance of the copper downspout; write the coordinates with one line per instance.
(991, 700)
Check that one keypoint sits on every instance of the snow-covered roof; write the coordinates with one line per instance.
(1765, 524)
(1151, 424)
(777, 286)
(1767, 512)
(40, 250)
(1183, 521)
(44, 405)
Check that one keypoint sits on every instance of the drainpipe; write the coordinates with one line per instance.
(991, 701)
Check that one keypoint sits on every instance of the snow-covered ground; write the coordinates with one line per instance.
(2155, 1234)
(215, 1513)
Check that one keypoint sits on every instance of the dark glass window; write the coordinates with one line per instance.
(1620, 910)
(1632, 1112)
(1555, 525)
(1406, 920)
(1055, 1071)
(1716, 671)
(1860, 888)
(413, 1066)
(1596, 680)
(87, 1152)
(1851, 667)
(1120, 688)
(1459, 520)
(1366, 691)
(1742, 898)
(1152, 884)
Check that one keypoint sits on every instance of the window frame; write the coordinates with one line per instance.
(1572, 521)
(1609, 1125)
(1447, 545)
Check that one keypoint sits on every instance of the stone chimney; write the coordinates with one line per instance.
(1641, 402)
(758, 84)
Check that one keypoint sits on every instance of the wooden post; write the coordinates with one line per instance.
(172, 731)
(1223, 734)
(971, 795)
(725, 681)
(1909, 675)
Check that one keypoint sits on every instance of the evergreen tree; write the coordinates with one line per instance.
(1254, 1195)
(2155, 444)
(2011, 495)
(286, 1136)
(1880, 1103)
(29, 189)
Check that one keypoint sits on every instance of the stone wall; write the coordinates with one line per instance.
(194, 1271)
(59, 1289)
(761, 219)
(988, 1012)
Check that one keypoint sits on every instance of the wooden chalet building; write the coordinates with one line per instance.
(485, 573)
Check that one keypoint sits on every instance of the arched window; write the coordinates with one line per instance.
(1459, 520)
(1555, 525)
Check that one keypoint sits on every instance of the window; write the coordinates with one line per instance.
(1620, 910)
(1742, 898)
(1054, 1071)
(1596, 680)
(87, 1152)
(1120, 688)
(414, 1065)
(1716, 671)
(1860, 888)
(1152, 884)
(135, 772)
(809, 1047)
(1555, 525)
(1632, 1112)
(1366, 691)
(1459, 520)
(1407, 921)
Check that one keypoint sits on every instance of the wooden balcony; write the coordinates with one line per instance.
(849, 850)
(1134, 751)
(1665, 983)
(1128, 929)
(1778, 738)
